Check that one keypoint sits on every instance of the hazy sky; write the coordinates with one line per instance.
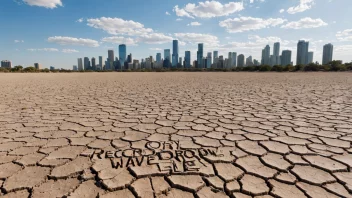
(57, 32)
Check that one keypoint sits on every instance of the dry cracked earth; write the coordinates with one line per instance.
(177, 135)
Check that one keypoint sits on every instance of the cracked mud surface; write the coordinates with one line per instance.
(178, 135)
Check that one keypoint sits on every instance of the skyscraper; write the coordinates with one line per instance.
(310, 57)
(129, 58)
(302, 52)
(74, 68)
(234, 59)
(229, 61)
(266, 55)
(286, 57)
(187, 59)
(328, 51)
(122, 54)
(86, 63)
(158, 57)
(175, 53)
(167, 58)
(240, 60)
(209, 61)
(93, 64)
(37, 66)
(276, 53)
(215, 57)
(80, 64)
(111, 58)
(100, 62)
(6, 64)
(249, 61)
(200, 55)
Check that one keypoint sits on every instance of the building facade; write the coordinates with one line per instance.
(266, 55)
(286, 57)
(37, 66)
(276, 53)
(209, 61)
(80, 64)
(6, 64)
(187, 59)
(86, 63)
(175, 55)
(122, 54)
(328, 51)
(302, 52)
(200, 55)
(241, 60)
(310, 57)
(158, 57)
(167, 58)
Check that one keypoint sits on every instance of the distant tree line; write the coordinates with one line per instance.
(331, 67)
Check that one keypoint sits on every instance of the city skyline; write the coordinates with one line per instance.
(91, 34)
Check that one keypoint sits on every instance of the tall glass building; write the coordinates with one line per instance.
(187, 59)
(241, 60)
(276, 53)
(122, 54)
(215, 57)
(101, 62)
(327, 53)
(234, 59)
(266, 55)
(310, 57)
(167, 58)
(200, 55)
(86, 63)
(175, 55)
(286, 57)
(158, 57)
(302, 52)
(209, 61)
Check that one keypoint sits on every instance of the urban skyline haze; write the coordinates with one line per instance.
(92, 28)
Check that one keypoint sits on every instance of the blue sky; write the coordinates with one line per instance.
(57, 32)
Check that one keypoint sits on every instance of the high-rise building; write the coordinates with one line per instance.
(200, 55)
(310, 57)
(328, 51)
(111, 58)
(249, 61)
(129, 58)
(6, 64)
(94, 67)
(234, 59)
(256, 62)
(180, 61)
(302, 52)
(286, 57)
(80, 64)
(37, 66)
(229, 60)
(158, 57)
(122, 54)
(272, 60)
(187, 59)
(240, 60)
(86, 63)
(100, 63)
(266, 55)
(209, 61)
(74, 68)
(175, 55)
(167, 58)
(276, 53)
(215, 57)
